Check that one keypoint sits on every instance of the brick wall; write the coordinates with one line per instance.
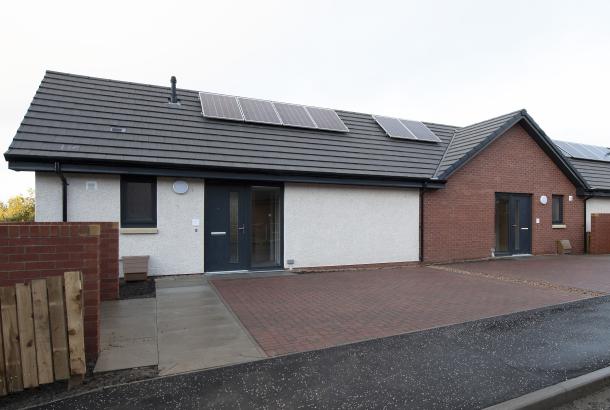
(38, 250)
(599, 241)
(109, 261)
(459, 221)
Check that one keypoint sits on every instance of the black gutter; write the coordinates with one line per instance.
(64, 191)
(93, 168)
(421, 222)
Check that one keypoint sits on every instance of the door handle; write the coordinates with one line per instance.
(242, 228)
(217, 233)
(525, 229)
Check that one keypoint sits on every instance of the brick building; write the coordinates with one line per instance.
(203, 182)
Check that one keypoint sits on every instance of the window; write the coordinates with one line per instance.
(557, 209)
(138, 202)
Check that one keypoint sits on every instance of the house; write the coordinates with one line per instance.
(204, 182)
(593, 163)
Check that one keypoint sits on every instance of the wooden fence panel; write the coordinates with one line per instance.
(73, 282)
(10, 339)
(59, 338)
(27, 343)
(41, 331)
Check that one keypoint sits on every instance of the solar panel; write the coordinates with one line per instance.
(584, 151)
(393, 127)
(421, 132)
(259, 111)
(326, 119)
(294, 115)
(228, 107)
(220, 106)
(406, 129)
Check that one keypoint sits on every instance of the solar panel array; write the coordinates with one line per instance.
(227, 107)
(584, 151)
(406, 129)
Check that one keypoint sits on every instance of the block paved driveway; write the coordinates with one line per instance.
(311, 311)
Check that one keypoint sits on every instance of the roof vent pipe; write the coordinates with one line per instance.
(174, 97)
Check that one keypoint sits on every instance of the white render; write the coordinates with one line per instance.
(597, 206)
(177, 247)
(328, 225)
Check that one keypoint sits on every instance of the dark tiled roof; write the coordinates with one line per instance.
(71, 118)
(469, 140)
(595, 173)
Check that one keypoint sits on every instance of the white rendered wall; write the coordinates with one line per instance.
(597, 206)
(340, 225)
(175, 249)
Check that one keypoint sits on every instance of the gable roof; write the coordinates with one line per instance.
(100, 125)
(469, 141)
(71, 119)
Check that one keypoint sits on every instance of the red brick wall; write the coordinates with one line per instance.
(459, 221)
(109, 261)
(38, 250)
(600, 234)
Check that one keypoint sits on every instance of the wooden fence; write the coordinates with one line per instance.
(42, 332)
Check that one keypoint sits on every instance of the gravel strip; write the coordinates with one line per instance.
(530, 283)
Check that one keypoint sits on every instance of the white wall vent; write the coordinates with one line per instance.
(91, 186)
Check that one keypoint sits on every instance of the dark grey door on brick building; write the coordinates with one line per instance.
(513, 224)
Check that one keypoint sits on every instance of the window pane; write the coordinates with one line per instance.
(233, 227)
(502, 225)
(517, 224)
(138, 202)
(265, 226)
(139, 206)
(557, 209)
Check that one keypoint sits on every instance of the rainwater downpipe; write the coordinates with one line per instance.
(64, 192)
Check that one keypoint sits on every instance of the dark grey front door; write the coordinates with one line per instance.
(226, 228)
(513, 224)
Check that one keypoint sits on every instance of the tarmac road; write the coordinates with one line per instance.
(466, 366)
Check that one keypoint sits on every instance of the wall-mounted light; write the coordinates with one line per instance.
(181, 187)
(544, 199)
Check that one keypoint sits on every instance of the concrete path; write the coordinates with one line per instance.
(186, 327)
(128, 334)
(465, 366)
(196, 330)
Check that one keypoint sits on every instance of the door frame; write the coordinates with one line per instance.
(511, 196)
(248, 186)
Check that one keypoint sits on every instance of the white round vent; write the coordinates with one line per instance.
(181, 187)
(544, 199)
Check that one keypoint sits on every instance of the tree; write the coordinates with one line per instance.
(19, 208)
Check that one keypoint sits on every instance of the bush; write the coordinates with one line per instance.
(19, 208)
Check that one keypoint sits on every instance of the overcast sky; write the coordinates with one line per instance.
(453, 62)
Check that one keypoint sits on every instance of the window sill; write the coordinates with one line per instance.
(559, 226)
(132, 231)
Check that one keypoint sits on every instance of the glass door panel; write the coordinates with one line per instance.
(266, 221)
(502, 230)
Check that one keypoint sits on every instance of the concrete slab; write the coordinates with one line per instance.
(196, 330)
(128, 334)
(186, 327)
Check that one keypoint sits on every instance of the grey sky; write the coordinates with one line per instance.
(453, 62)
